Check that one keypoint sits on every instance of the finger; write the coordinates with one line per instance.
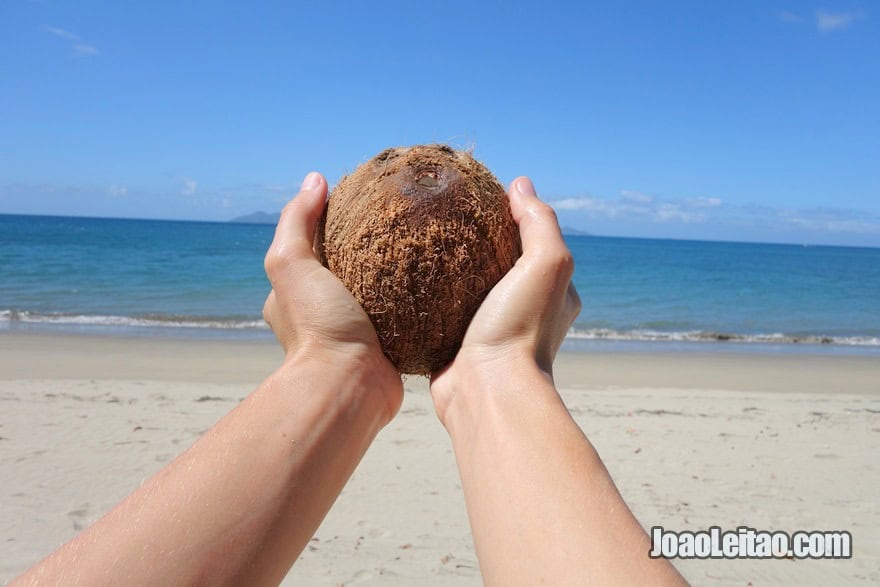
(295, 233)
(296, 226)
(536, 220)
(539, 230)
(538, 225)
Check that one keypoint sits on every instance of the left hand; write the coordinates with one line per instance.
(310, 311)
(524, 319)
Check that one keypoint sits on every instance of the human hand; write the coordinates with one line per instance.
(310, 311)
(524, 319)
(517, 447)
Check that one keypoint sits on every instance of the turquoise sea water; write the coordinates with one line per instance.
(207, 278)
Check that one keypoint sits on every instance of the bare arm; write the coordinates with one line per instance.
(542, 506)
(240, 505)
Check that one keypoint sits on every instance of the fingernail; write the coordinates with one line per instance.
(311, 181)
(524, 187)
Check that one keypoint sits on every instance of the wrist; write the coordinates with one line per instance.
(351, 375)
(478, 383)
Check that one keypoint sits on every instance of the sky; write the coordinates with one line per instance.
(747, 121)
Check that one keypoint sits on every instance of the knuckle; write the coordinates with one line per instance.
(274, 262)
(577, 304)
(565, 263)
(559, 262)
(547, 213)
(268, 306)
(270, 263)
(288, 208)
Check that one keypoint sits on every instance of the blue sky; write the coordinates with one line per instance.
(753, 120)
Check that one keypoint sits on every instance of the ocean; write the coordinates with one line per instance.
(205, 279)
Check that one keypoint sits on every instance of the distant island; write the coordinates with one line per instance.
(569, 231)
(258, 218)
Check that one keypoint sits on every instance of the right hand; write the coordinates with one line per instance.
(528, 313)
(311, 312)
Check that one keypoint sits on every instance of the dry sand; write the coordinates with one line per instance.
(772, 442)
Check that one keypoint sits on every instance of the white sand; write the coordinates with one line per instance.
(771, 442)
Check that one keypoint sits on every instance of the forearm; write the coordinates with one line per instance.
(240, 504)
(542, 506)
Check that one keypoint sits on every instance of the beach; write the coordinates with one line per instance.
(176, 176)
(769, 441)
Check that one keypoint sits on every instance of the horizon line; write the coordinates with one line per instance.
(587, 235)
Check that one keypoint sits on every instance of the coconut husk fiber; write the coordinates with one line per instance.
(419, 235)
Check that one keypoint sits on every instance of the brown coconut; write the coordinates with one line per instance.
(419, 235)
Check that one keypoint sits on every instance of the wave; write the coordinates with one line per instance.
(10, 318)
(147, 320)
(710, 336)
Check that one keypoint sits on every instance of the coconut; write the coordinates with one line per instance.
(419, 235)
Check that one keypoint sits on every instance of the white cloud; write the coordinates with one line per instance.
(633, 204)
(825, 21)
(634, 196)
(715, 213)
(831, 220)
(66, 35)
(82, 50)
(594, 206)
(704, 202)
(117, 191)
(585, 203)
(189, 186)
(828, 22)
(668, 212)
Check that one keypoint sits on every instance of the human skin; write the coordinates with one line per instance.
(239, 506)
(542, 507)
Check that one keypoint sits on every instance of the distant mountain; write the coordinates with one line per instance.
(569, 231)
(258, 218)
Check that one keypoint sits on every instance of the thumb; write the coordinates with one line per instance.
(295, 232)
(538, 226)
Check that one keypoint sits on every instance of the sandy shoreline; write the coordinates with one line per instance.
(74, 356)
(779, 442)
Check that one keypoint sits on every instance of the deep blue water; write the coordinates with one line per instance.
(653, 288)
(161, 275)
(110, 270)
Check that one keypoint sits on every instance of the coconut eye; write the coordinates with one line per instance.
(429, 180)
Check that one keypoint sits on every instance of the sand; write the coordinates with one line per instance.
(778, 442)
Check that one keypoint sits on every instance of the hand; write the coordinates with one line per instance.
(516, 445)
(310, 311)
(528, 313)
